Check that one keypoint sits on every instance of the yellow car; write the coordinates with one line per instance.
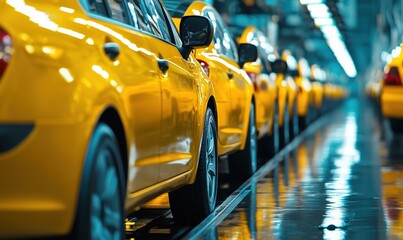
(265, 91)
(318, 77)
(285, 69)
(305, 97)
(237, 106)
(101, 110)
(392, 93)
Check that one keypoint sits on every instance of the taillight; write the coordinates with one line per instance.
(253, 77)
(205, 66)
(392, 77)
(5, 50)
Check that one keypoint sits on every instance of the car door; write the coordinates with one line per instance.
(236, 81)
(135, 75)
(179, 94)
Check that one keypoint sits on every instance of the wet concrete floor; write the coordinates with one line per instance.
(342, 179)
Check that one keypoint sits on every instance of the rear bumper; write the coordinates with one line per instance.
(40, 178)
(392, 102)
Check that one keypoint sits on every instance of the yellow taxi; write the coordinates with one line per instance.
(265, 90)
(392, 93)
(300, 72)
(373, 86)
(318, 77)
(237, 106)
(102, 108)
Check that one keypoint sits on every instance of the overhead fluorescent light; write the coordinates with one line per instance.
(330, 31)
(323, 22)
(320, 7)
(319, 14)
(304, 2)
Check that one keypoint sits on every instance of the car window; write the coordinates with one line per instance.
(175, 34)
(138, 15)
(223, 41)
(218, 34)
(227, 42)
(230, 44)
(177, 8)
(156, 20)
(98, 7)
(118, 11)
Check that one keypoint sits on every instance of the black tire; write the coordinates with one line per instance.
(294, 127)
(303, 121)
(396, 125)
(192, 203)
(268, 146)
(284, 130)
(100, 211)
(243, 163)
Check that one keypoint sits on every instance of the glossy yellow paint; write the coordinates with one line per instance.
(317, 86)
(265, 83)
(60, 80)
(283, 96)
(305, 97)
(392, 95)
(233, 88)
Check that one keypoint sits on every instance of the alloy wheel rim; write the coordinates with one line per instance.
(105, 214)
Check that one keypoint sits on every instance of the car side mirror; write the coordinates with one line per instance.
(247, 53)
(195, 32)
(279, 66)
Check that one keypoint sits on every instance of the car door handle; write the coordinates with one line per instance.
(112, 50)
(230, 75)
(163, 65)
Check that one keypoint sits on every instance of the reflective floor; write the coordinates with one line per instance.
(342, 179)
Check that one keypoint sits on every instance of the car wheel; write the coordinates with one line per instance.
(192, 203)
(243, 163)
(268, 146)
(284, 131)
(294, 122)
(303, 121)
(100, 211)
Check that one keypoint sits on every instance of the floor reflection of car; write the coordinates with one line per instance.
(392, 93)
(392, 192)
(109, 111)
(260, 72)
(237, 105)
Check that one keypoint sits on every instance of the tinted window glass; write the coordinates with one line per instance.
(230, 45)
(177, 8)
(223, 41)
(98, 7)
(117, 11)
(138, 15)
(156, 20)
(218, 34)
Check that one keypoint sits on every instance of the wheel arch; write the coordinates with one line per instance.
(112, 118)
(213, 106)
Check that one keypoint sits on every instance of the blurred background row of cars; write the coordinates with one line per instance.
(123, 100)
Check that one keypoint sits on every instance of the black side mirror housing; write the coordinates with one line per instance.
(247, 53)
(279, 66)
(195, 32)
